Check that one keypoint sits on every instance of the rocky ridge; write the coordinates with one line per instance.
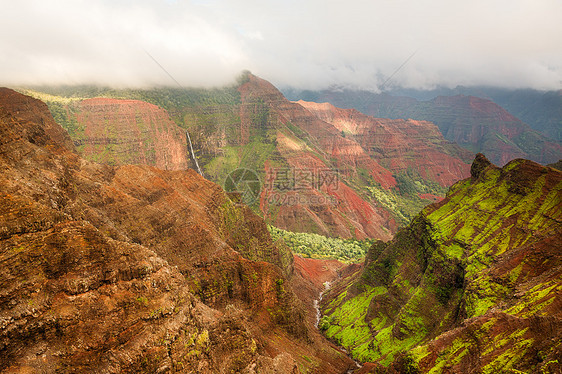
(473, 284)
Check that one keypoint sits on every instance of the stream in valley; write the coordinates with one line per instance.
(316, 304)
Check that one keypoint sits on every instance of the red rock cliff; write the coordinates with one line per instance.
(130, 132)
(398, 144)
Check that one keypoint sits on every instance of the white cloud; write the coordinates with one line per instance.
(309, 44)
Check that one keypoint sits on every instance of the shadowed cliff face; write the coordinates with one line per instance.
(473, 284)
(133, 268)
(330, 172)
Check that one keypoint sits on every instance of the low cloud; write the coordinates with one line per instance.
(312, 44)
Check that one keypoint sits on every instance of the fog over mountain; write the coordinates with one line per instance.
(313, 44)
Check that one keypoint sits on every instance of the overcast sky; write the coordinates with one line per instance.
(306, 43)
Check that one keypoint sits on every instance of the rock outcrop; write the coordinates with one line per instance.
(136, 269)
(473, 284)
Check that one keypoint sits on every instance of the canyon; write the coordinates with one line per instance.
(355, 176)
(118, 256)
(137, 269)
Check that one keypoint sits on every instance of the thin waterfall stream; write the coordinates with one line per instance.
(193, 154)
(316, 303)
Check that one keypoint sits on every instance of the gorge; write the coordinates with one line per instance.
(117, 257)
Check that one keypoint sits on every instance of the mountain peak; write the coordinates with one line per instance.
(478, 165)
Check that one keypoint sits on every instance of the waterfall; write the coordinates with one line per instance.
(192, 153)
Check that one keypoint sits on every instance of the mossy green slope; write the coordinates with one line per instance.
(473, 284)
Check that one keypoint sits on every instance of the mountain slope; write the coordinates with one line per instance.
(140, 269)
(397, 144)
(475, 123)
(473, 284)
(541, 110)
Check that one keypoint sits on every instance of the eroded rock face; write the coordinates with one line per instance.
(471, 285)
(135, 269)
(397, 144)
(116, 132)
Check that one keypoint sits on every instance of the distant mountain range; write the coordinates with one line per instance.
(469, 117)
(542, 110)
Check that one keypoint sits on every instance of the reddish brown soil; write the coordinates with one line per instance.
(312, 273)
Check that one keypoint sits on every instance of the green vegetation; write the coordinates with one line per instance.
(477, 218)
(252, 156)
(318, 246)
(436, 272)
(404, 207)
(63, 109)
(347, 322)
(403, 201)
(170, 98)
